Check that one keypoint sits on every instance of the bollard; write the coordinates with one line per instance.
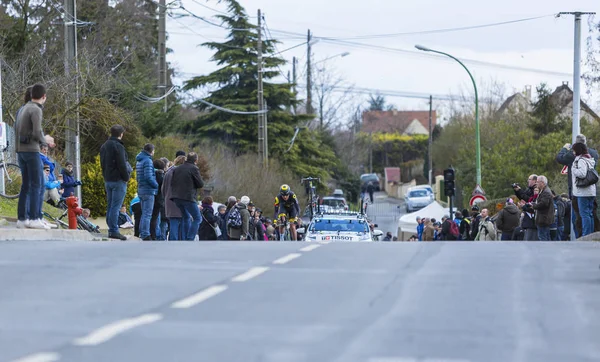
(74, 211)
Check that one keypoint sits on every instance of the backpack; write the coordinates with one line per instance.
(454, 230)
(234, 219)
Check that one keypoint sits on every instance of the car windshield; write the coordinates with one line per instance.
(418, 193)
(339, 225)
(371, 177)
(333, 202)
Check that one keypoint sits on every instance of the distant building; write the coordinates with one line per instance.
(403, 122)
(561, 98)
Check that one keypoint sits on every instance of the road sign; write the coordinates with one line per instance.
(478, 191)
(477, 199)
(564, 171)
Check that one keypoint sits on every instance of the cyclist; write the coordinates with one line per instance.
(286, 204)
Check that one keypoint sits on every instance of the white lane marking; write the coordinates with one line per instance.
(410, 359)
(287, 258)
(310, 247)
(40, 357)
(199, 297)
(251, 273)
(109, 331)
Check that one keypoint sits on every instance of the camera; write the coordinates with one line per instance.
(515, 185)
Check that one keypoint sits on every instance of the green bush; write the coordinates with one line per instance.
(93, 192)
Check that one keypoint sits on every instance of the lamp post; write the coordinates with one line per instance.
(477, 141)
(344, 54)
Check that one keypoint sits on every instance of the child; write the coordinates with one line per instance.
(69, 182)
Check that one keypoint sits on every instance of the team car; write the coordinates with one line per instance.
(339, 227)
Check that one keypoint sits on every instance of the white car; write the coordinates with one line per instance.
(327, 228)
(417, 198)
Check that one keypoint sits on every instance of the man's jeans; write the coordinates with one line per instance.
(115, 195)
(586, 210)
(147, 207)
(560, 233)
(544, 233)
(189, 209)
(32, 187)
(175, 226)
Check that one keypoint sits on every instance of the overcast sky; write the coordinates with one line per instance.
(543, 44)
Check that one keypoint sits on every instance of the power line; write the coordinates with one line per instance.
(443, 30)
(231, 110)
(209, 8)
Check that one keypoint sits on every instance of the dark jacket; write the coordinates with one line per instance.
(475, 221)
(145, 174)
(560, 211)
(236, 234)
(206, 231)
(69, 183)
(508, 219)
(171, 209)
(113, 159)
(446, 230)
(544, 208)
(525, 194)
(566, 157)
(186, 182)
(222, 220)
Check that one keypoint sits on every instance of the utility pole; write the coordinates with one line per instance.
(309, 107)
(576, 79)
(370, 152)
(294, 80)
(72, 146)
(261, 123)
(430, 142)
(162, 50)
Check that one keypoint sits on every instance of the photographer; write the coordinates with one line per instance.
(527, 193)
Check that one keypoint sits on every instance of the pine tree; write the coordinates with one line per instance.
(237, 87)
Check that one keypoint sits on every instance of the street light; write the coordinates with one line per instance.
(477, 141)
(344, 54)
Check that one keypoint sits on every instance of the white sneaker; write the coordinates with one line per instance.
(51, 225)
(38, 224)
(22, 224)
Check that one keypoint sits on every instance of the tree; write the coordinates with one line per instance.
(378, 103)
(334, 96)
(234, 86)
(546, 117)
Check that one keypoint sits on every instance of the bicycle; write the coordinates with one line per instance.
(82, 223)
(313, 198)
(11, 178)
(283, 222)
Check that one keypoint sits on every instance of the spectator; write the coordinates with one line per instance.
(528, 192)
(487, 231)
(184, 187)
(136, 210)
(370, 190)
(147, 188)
(464, 228)
(210, 222)
(51, 187)
(420, 228)
(87, 214)
(125, 221)
(544, 207)
(528, 223)
(116, 171)
(172, 212)
(222, 222)
(388, 236)
(559, 206)
(475, 220)
(429, 231)
(29, 137)
(584, 194)
(159, 201)
(508, 219)
(69, 182)
(240, 233)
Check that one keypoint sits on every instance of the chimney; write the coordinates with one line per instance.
(566, 82)
(528, 92)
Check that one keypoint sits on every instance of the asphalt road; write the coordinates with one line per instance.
(293, 302)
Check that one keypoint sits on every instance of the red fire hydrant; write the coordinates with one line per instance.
(74, 211)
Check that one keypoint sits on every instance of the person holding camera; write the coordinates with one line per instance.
(584, 193)
(525, 194)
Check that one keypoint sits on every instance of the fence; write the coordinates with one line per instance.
(10, 155)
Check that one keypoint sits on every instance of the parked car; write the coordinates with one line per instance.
(417, 198)
(371, 177)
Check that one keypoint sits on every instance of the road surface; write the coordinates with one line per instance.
(299, 302)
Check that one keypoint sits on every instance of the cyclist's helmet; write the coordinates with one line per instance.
(284, 190)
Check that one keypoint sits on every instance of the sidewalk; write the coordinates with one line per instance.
(9, 232)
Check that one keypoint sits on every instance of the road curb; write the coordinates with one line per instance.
(14, 234)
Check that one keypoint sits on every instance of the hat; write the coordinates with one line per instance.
(475, 208)
(245, 200)
(510, 201)
(251, 204)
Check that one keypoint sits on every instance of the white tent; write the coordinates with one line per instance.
(408, 222)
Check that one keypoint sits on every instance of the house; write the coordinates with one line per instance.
(403, 122)
(561, 98)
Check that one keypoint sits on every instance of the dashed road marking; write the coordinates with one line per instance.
(310, 247)
(109, 331)
(199, 297)
(414, 359)
(287, 258)
(251, 273)
(40, 357)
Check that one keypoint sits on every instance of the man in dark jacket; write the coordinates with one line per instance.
(184, 192)
(560, 216)
(159, 202)
(544, 207)
(475, 221)
(508, 219)
(526, 194)
(147, 187)
(116, 171)
(566, 157)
